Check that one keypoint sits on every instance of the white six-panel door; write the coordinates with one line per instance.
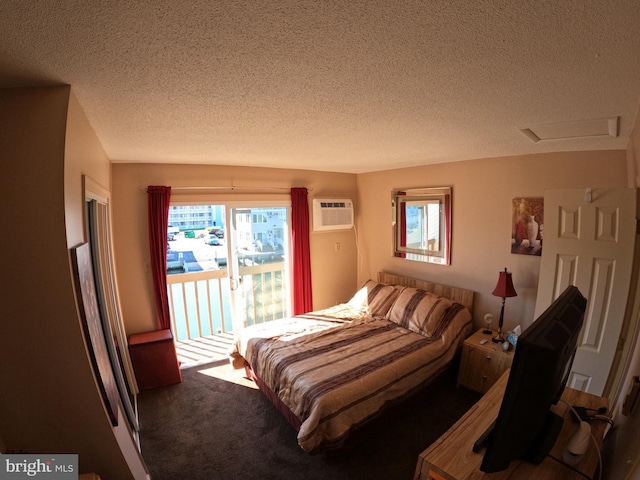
(590, 244)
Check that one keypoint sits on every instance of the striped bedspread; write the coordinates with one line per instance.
(336, 372)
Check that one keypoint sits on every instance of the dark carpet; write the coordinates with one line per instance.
(217, 425)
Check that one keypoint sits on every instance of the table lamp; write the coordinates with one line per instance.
(504, 289)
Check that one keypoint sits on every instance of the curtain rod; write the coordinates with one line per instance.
(227, 187)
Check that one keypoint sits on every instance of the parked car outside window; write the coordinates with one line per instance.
(212, 239)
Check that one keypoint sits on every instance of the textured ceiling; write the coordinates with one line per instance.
(344, 86)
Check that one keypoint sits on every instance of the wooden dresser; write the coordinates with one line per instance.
(451, 456)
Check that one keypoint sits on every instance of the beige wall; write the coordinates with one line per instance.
(482, 194)
(333, 272)
(49, 401)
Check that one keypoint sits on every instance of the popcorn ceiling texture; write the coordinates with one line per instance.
(345, 86)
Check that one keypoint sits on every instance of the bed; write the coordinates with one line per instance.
(332, 371)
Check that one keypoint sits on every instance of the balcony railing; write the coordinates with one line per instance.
(200, 302)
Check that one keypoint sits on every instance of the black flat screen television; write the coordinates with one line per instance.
(525, 427)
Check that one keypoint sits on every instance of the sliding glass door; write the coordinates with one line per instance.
(259, 270)
(228, 266)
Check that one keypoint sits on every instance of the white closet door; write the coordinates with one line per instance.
(589, 243)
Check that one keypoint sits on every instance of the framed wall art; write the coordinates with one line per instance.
(92, 325)
(527, 231)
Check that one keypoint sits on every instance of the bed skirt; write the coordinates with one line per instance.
(361, 432)
(273, 398)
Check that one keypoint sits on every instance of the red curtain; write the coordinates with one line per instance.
(159, 198)
(302, 299)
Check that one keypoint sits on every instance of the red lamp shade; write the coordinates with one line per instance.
(505, 286)
(503, 289)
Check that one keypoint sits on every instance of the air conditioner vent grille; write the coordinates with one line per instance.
(332, 214)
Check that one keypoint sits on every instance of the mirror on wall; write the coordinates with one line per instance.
(422, 224)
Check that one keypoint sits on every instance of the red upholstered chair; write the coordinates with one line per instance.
(154, 359)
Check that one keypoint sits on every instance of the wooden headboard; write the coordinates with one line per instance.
(460, 295)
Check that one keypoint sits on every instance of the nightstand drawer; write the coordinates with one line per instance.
(482, 364)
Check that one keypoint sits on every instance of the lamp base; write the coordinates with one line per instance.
(498, 339)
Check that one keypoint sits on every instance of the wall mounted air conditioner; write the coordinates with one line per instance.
(332, 214)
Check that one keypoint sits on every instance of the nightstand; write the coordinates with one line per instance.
(482, 365)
